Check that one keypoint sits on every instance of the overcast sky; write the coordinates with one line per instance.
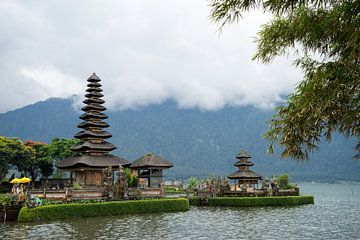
(145, 52)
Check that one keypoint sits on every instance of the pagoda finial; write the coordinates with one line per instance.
(94, 78)
(243, 154)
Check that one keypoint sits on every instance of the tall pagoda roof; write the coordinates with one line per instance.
(94, 84)
(93, 115)
(83, 146)
(150, 160)
(98, 124)
(94, 89)
(93, 100)
(92, 134)
(94, 94)
(93, 78)
(93, 107)
(92, 150)
(243, 154)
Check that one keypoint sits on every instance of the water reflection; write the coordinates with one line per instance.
(334, 216)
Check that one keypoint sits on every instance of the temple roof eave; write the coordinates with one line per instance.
(246, 174)
(151, 161)
(92, 161)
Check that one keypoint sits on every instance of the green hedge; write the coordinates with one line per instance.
(194, 201)
(260, 201)
(73, 210)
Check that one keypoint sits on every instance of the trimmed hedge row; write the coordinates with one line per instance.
(73, 210)
(194, 201)
(261, 201)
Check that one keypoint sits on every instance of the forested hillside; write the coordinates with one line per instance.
(198, 143)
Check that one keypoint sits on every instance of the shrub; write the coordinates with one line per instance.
(76, 186)
(283, 180)
(5, 200)
(132, 180)
(289, 186)
(73, 210)
(193, 182)
(260, 201)
(194, 201)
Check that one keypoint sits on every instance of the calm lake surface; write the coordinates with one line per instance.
(335, 215)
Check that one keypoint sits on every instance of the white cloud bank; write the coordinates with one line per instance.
(144, 51)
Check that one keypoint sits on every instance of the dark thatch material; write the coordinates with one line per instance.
(93, 78)
(87, 160)
(94, 84)
(93, 115)
(99, 124)
(85, 146)
(151, 161)
(93, 100)
(94, 94)
(94, 89)
(243, 154)
(246, 174)
(94, 107)
(92, 134)
(240, 164)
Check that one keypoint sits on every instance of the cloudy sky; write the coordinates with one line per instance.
(145, 52)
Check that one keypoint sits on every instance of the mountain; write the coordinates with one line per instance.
(198, 143)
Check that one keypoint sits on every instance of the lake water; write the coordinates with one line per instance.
(335, 215)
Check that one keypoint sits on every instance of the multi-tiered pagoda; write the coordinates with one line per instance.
(91, 154)
(244, 175)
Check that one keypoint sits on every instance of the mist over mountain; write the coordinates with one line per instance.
(198, 143)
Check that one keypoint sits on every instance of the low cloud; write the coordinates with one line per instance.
(146, 52)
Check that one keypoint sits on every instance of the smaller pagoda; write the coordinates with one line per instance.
(244, 176)
(150, 170)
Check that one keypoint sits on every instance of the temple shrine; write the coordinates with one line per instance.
(92, 153)
(149, 170)
(244, 176)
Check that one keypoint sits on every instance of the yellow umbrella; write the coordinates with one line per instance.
(24, 180)
(15, 180)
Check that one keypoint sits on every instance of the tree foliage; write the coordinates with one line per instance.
(12, 152)
(32, 158)
(41, 162)
(132, 180)
(58, 149)
(326, 37)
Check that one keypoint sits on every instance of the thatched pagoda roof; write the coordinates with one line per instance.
(94, 89)
(99, 124)
(150, 160)
(247, 174)
(92, 134)
(93, 78)
(93, 107)
(94, 94)
(83, 146)
(94, 84)
(93, 100)
(86, 116)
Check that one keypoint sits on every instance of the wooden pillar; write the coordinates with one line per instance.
(71, 177)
